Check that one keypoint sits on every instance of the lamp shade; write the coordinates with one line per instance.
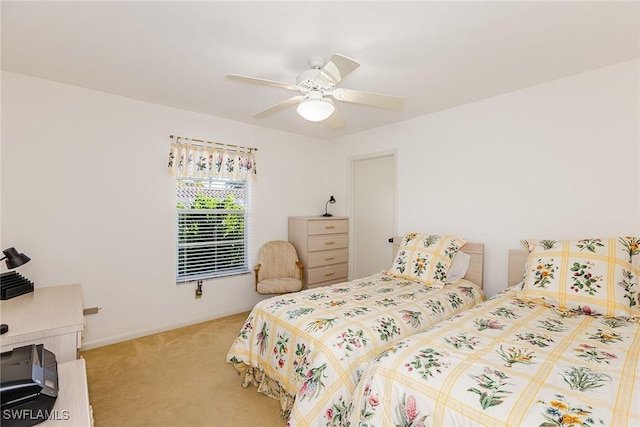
(316, 109)
(14, 258)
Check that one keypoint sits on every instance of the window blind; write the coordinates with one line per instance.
(212, 228)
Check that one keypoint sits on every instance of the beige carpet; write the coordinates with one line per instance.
(176, 378)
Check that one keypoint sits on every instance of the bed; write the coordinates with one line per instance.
(561, 348)
(307, 348)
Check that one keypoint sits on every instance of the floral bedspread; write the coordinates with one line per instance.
(314, 343)
(507, 362)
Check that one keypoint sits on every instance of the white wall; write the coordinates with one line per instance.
(557, 160)
(86, 194)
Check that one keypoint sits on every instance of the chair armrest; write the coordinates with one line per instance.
(300, 268)
(256, 269)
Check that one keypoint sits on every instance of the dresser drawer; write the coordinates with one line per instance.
(321, 243)
(333, 256)
(323, 274)
(328, 226)
(327, 283)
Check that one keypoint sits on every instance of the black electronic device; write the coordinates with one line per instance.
(29, 385)
(13, 284)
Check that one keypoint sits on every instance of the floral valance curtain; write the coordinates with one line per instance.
(191, 158)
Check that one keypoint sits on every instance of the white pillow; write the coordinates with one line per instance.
(459, 267)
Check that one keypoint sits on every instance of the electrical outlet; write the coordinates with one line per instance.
(199, 289)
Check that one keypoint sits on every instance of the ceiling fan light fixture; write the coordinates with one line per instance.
(316, 109)
(314, 84)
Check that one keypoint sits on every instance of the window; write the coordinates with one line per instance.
(213, 226)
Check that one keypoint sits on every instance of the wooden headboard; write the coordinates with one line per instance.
(476, 263)
(517, 265)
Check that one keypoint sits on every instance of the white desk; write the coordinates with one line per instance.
(72, 405)
(51, 316)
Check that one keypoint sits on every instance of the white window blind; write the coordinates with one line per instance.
(213, 228)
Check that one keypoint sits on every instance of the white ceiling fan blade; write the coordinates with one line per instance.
(261, 82)
(336, 69)
(279, 106)
(369, 98)
(335, 120)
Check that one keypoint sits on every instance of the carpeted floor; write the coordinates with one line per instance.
(176, 378)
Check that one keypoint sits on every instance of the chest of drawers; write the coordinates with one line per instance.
(322, 244)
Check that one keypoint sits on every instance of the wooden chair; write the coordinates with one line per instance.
(278, 270)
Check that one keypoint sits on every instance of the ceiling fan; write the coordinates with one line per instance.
(317, 86)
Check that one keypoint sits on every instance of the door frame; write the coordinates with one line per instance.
(351, 207)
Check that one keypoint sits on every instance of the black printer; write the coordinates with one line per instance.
(29, 388)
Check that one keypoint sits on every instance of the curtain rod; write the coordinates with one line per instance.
(213, 142)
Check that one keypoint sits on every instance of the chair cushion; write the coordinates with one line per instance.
(277, 259)
(279, 286)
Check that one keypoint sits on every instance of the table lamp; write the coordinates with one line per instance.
(332, 201)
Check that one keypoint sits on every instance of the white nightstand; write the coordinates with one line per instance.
(54, 317)
(51, 316)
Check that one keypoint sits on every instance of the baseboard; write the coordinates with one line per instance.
(139, 334)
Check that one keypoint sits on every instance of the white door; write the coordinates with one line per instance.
(373, 208)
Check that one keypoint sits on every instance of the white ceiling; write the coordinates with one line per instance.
(435, 54)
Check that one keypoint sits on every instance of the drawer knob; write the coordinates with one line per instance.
(329, 227)
(330, 243)
(329, 258)
(330, 274)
